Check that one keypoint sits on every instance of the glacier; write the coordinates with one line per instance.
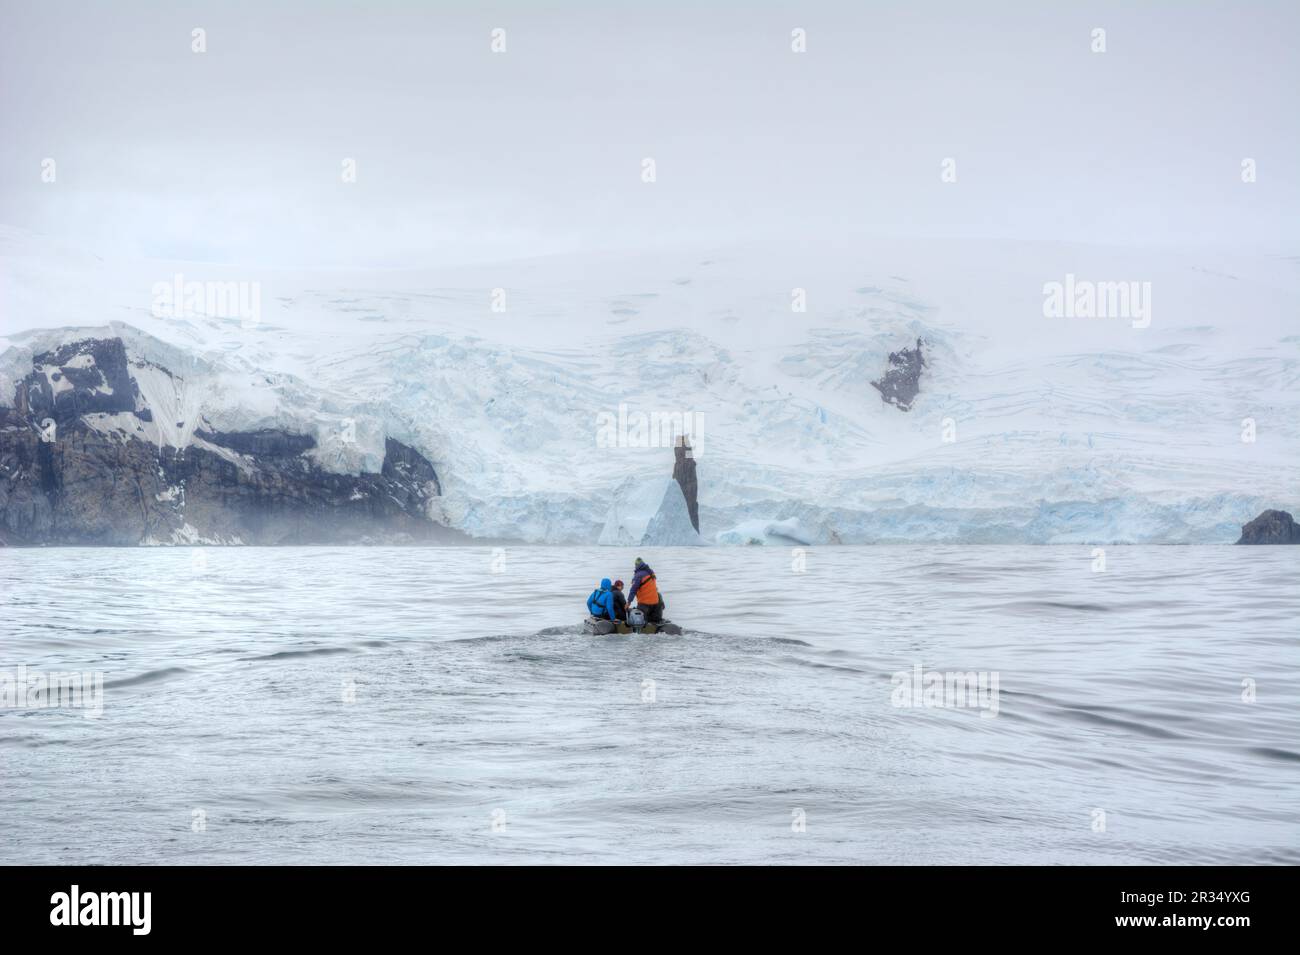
(1027, 429)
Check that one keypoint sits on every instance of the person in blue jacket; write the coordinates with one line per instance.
(601, 602)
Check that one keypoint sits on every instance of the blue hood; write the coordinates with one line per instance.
(605, 584)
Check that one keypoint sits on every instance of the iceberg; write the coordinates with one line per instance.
(650, 511)
(779, 533)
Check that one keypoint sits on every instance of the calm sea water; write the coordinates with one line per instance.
(414, 706)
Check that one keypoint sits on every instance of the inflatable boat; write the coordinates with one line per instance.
(636, 623)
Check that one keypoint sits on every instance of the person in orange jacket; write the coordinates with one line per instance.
(645, 591)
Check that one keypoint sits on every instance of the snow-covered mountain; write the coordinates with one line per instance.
(538, 388)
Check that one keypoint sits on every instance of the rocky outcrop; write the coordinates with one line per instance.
(265, 442)
(407, 466)
(901, 382)
(1271, 527)
(78, 378)
(684, 474)
(78, 465)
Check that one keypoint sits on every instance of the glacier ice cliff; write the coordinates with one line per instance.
(1019, 429)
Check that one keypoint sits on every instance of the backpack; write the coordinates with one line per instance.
(603, 601)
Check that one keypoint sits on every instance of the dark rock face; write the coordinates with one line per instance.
(1271, 527)
(901, 382)
(79, 485)
(406, 465)
(75, 379)
(684, 474)
(267, 442)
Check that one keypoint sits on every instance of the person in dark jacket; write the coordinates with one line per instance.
(620, 601)
(601, 602)
(645, 591)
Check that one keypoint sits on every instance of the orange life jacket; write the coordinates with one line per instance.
(648, 594)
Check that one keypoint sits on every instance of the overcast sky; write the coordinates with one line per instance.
(236, 154)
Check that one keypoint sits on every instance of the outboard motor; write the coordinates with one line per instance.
(636, 619)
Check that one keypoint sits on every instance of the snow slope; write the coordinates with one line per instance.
(1027, 428)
